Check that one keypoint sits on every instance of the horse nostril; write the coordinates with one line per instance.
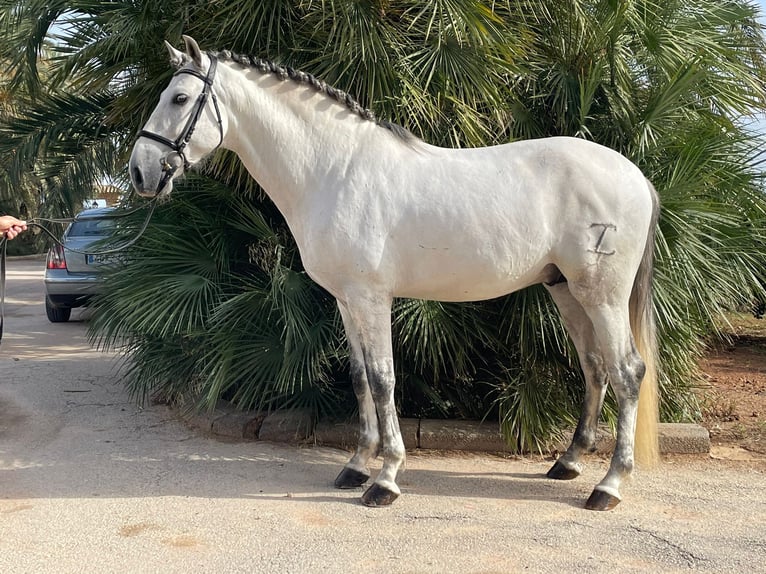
(138, 179)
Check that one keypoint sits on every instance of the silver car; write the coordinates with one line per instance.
(72, 273)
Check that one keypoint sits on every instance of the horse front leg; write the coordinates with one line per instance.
(380, 374)
(356, 471)
(369, 319)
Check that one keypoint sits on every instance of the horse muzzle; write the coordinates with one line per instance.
(158, 180)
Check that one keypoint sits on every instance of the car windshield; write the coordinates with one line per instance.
(91, 227)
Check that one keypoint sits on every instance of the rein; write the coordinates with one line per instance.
(38, 222)
(179, 144)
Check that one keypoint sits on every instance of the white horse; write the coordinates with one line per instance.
(378, 213)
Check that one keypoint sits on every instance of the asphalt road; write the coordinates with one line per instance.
(92, 482)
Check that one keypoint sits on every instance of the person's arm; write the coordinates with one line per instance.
(11, 227)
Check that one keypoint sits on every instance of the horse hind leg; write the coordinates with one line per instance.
(356, 473)
(625, 369)
(580, 329)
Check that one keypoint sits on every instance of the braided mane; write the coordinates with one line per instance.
(288, 73)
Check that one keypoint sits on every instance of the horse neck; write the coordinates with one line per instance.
(288, 136)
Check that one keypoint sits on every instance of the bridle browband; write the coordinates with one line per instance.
(179, 144)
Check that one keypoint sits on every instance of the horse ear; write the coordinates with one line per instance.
(177, 58)
(193, 51)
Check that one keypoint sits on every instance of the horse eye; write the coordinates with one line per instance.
(180, 99)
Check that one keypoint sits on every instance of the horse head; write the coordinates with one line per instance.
(188, 107)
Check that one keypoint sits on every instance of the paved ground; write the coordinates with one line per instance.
(91, 482)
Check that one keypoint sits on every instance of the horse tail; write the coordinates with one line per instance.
(647, 451)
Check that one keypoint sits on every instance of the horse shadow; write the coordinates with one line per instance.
(255, 471)
(435, 483)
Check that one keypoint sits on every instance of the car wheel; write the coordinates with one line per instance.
(57, 314)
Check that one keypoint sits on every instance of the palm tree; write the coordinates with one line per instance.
(20, 188)
(666, 83)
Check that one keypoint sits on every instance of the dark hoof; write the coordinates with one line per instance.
(560, 472)
(350, 478)
(377, 495)
(600, 500)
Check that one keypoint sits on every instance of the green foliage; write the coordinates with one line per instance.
(214, 298)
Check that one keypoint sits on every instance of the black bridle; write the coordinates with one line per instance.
(179, 144)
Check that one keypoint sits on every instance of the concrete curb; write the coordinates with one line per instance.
(32, 257)
(299, 427)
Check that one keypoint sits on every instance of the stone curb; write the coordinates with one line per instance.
(32, 257)
(298, 426)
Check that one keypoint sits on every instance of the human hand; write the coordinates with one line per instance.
(11, 227)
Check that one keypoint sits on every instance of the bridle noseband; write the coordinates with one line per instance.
(179, 144)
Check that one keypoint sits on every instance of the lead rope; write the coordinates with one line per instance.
(36, 222)
(2, 284)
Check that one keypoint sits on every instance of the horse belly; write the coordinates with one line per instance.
(455, 268)
(466, 248)
(460, 274)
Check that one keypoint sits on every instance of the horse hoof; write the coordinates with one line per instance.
(600, 500)
(377, 495)
(559, 471)
(350, 478)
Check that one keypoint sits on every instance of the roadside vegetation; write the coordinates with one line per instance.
(213, 300)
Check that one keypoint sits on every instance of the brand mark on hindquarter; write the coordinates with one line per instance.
(600, 248)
